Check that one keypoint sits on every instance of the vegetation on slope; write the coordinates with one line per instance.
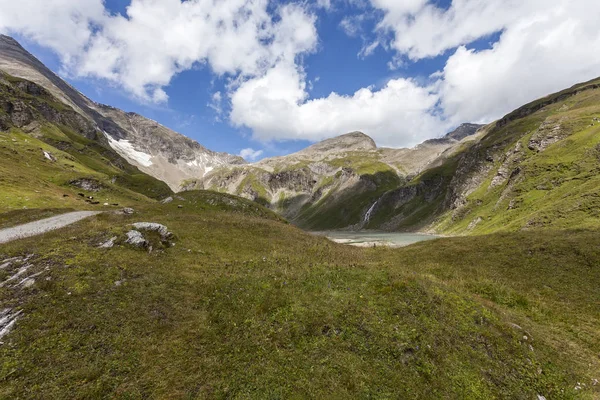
(245, 306)
(544, 173)
(47, 148)
(536, 168)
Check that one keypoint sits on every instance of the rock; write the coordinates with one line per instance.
(154, 227)
(474, 223)
(106, 204)
(167, 200)
(128, 211)
(27, 283)
(109, 243)
(91, 185)
(7, 320)
(180, 206)
(49, 156)
(135, 238)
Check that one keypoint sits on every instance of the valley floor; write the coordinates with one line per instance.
(244, 306)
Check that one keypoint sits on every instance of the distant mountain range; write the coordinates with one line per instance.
(536, 167)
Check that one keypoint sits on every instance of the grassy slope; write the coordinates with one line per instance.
(245, 306)
(29, 180)
(557, 188)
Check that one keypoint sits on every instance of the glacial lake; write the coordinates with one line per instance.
(374, 238)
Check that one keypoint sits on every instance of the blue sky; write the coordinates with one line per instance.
(325, 67)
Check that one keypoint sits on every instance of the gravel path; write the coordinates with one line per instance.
(43, 225)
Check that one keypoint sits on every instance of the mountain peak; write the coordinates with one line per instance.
(352, 141)
(463, 131)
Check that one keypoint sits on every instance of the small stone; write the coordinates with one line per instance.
(27, 283)
(167, 200)
(49, 156)
(128, 210)
(109, 243)
(118, 283)
(179, 206)
(106, 204)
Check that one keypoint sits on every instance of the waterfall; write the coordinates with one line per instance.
(369, 212)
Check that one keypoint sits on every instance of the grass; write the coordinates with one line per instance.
(555, 188)
(29, 180)
(245, 306)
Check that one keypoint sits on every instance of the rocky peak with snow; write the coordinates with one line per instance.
(152, 147)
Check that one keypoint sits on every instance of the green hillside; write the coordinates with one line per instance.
(235, 302)
(245, 306)
(536, 168)
(46, 156)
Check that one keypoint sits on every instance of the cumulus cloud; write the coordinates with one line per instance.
(277, 105)
(259, 46)
(237, 37)
(543, 47)
(250, 154)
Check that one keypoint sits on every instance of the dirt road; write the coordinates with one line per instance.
(43, 225)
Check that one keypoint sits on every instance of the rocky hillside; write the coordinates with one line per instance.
(153, 148)
(535, 168)
(334, 183)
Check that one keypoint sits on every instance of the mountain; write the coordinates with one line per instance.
(153, 148)
(535, 168)
(234, 302)
(332, 184)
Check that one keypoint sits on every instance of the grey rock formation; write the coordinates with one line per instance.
(136, 239)
(109, 243)
(154, 227)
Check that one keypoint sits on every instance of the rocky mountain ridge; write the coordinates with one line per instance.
(329, 184)
(151, 147)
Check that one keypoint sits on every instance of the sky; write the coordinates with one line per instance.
(262, 78)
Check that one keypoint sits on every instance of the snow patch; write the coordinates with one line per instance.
(126, 148)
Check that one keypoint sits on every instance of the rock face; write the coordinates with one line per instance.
(153, 148)
(334, 183)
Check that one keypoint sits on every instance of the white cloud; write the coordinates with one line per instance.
(237, 37)
(259, 46)
(544, 47)
(276, 106)
(250, 154)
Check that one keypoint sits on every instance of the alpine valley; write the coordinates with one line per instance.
(194, 276)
